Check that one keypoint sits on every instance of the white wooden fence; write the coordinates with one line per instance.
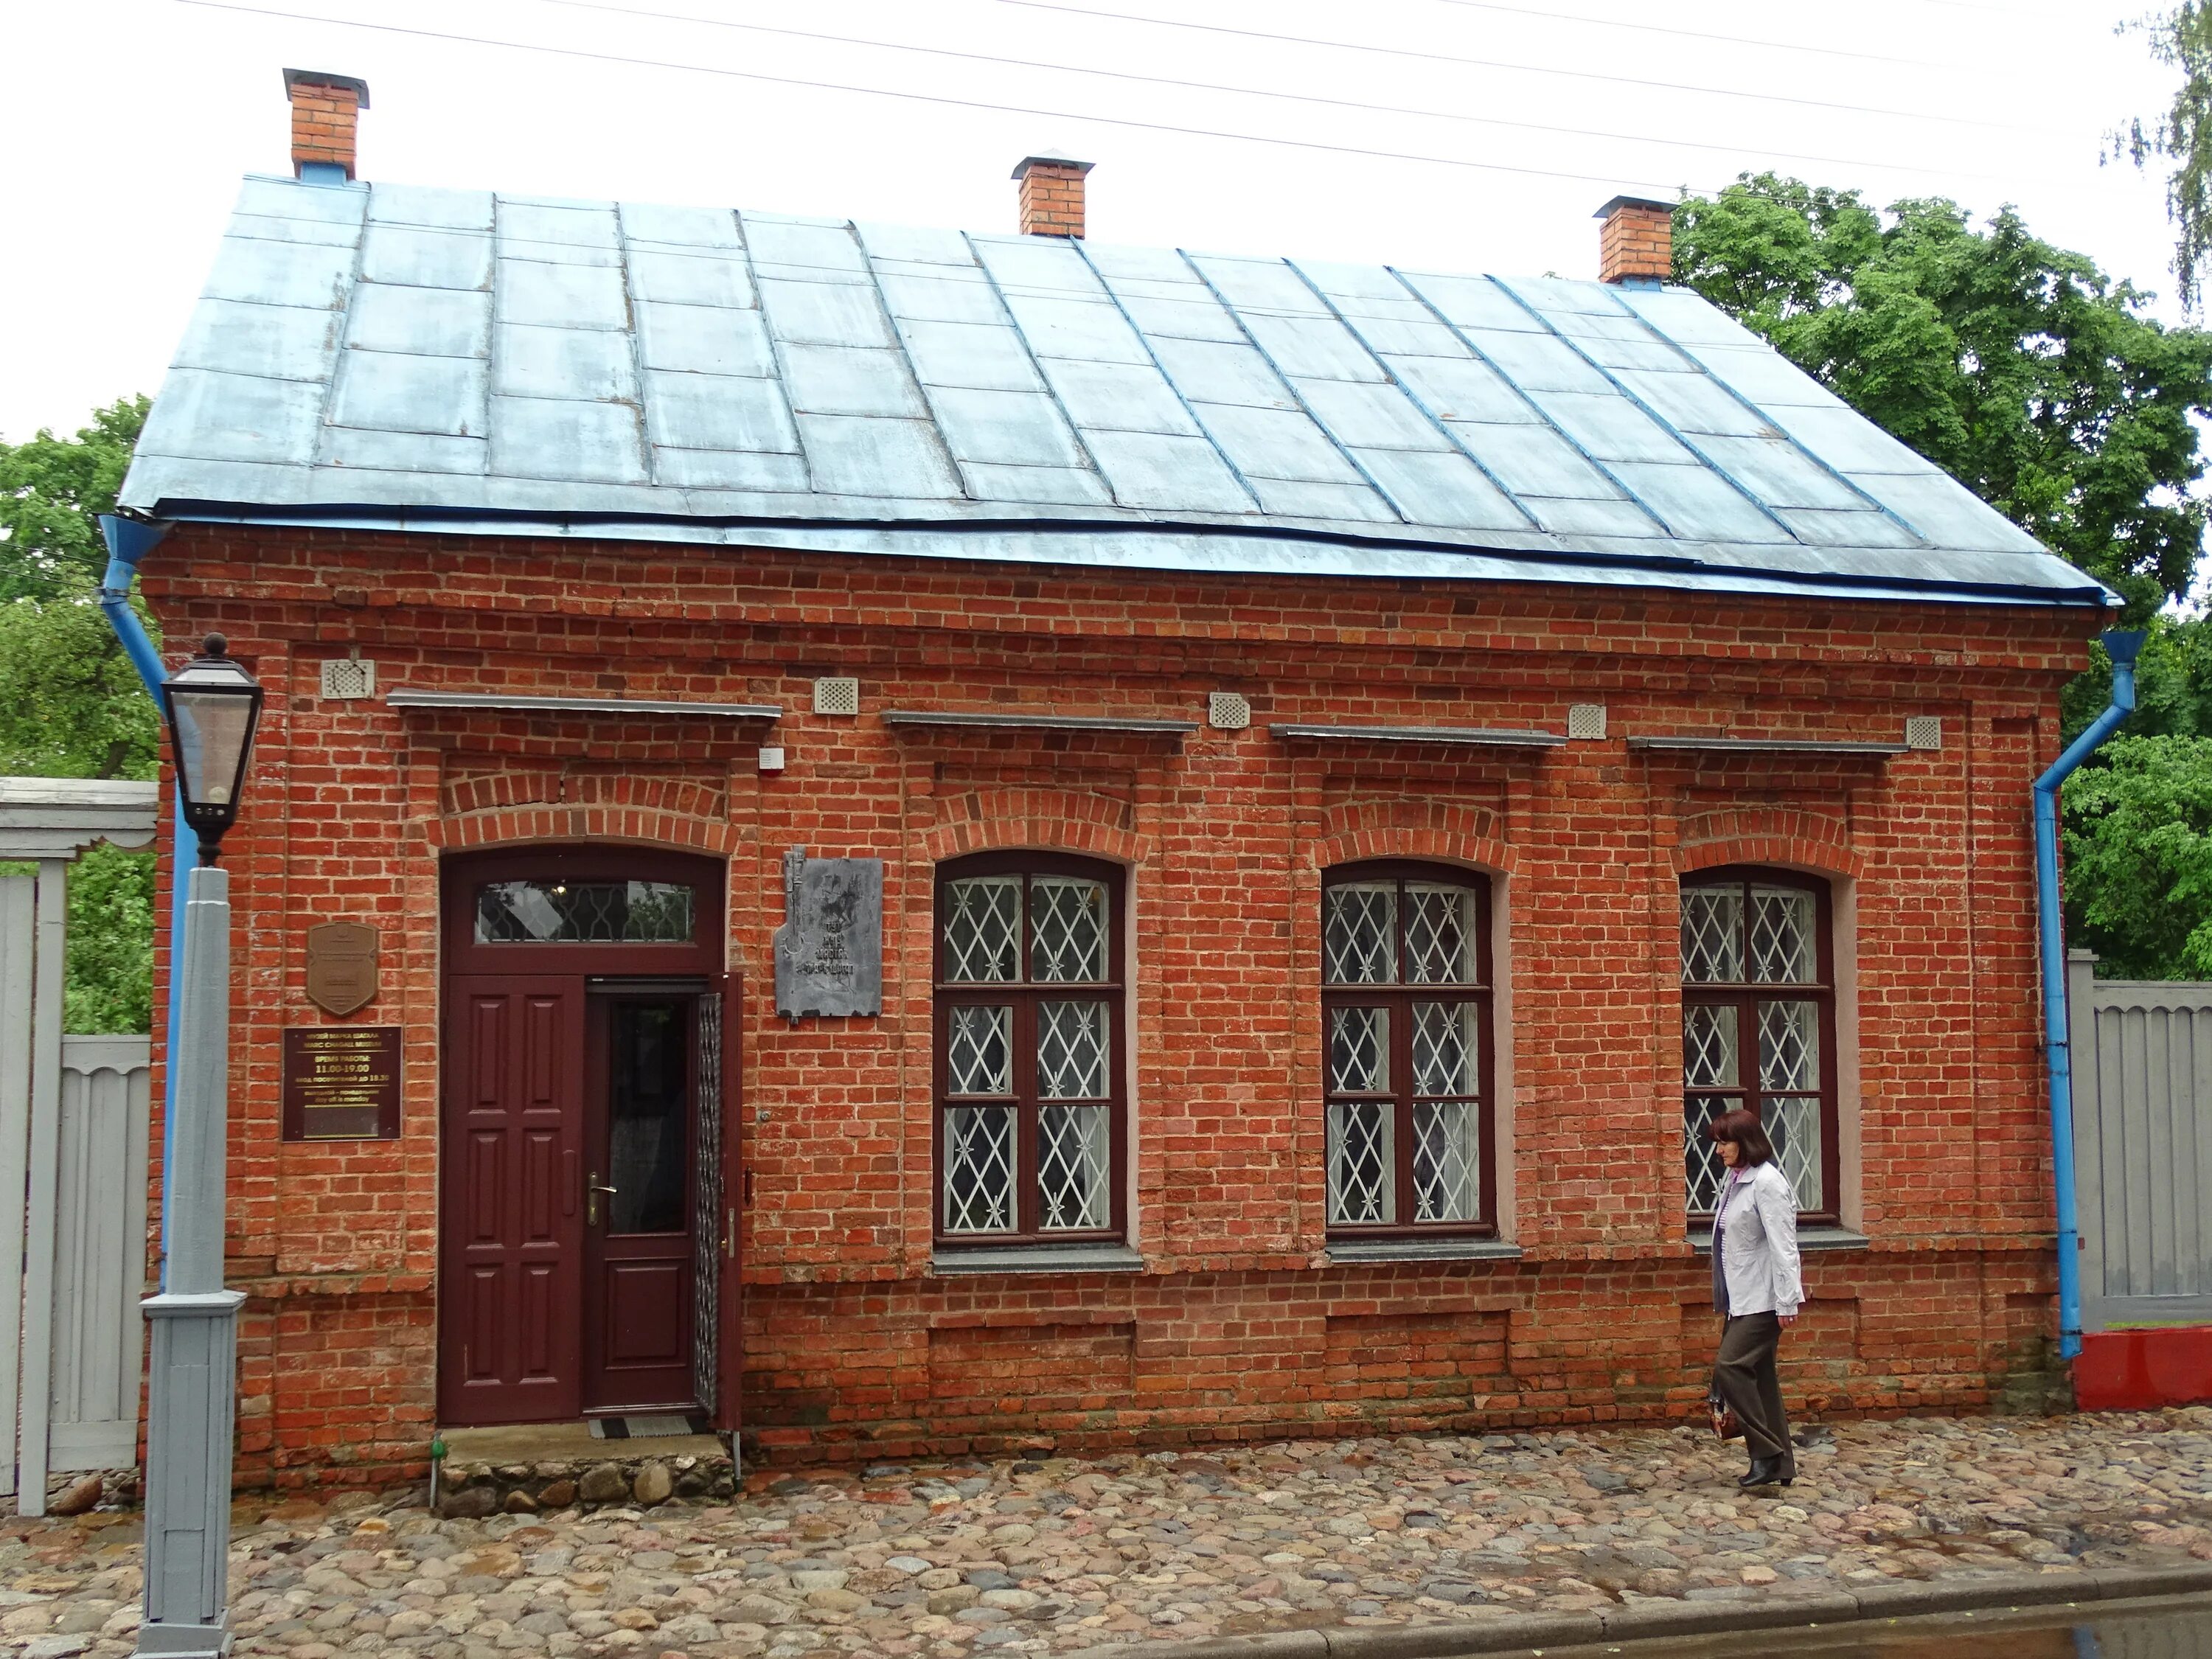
(2143, 1147)
(74, 1128)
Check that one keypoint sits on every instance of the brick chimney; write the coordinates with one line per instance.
(1636, 245)
(325, 110)
(1052, 195)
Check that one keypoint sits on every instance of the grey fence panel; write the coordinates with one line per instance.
(2142, 1131)
(100, 1253)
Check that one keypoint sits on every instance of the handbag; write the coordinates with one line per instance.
(1724, 1415)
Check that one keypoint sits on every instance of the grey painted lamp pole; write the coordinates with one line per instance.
(212, 706)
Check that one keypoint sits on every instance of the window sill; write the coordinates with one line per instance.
(1408, 1249)
(1039, 1259)
(1808, 1238)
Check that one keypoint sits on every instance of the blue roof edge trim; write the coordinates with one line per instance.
(908, 539)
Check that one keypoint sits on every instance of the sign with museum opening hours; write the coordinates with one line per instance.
(342, 1083)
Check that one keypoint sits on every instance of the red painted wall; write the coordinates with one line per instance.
(1238, 1326)
(2143, 1370)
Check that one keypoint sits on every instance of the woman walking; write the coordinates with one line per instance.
(1757, 1288)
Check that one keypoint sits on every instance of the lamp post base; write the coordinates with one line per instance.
(184, 1641)
(189, 1400)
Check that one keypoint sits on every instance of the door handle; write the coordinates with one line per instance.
(591, 1191)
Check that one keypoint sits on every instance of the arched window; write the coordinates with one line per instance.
(1758, 1025)
(1407, 1041)
(1031, 1093)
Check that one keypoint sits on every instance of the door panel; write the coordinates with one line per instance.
(729, 1304)
(643, 1069)
(511, 1258)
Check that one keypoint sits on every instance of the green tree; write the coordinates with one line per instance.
(2138, 843)
(2020, 368)
(70, 704)
(2182, 41)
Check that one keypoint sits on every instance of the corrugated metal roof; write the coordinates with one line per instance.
(456, 360)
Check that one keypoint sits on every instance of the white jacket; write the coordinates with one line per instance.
(1759, 1243)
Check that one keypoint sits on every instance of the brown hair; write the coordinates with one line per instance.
(1743, 1128)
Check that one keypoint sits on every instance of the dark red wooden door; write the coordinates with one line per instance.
(511, 1225)
(640, 1261)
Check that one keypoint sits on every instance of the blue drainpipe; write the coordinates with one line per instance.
(128, 542)
(2122, 648)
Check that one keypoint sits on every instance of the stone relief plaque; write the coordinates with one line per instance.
(341, 967)
(342, 1083)
(829, 951)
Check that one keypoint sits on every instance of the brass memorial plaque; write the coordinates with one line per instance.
(342, 1083)
(341, 967)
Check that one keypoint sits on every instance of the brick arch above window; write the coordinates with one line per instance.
(609, 825)
(1788, 840)
(1052, 820)
(1449, 832)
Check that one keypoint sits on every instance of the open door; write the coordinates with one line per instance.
(723, 1364)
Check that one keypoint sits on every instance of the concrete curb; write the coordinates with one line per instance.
(1644, 1621)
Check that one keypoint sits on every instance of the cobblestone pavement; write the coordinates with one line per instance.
(948, 1559)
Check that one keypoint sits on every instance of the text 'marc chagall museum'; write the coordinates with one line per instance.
(964, 842)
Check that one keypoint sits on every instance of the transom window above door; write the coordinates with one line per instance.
(556, 911)
(1029, 1065)
(1759, 1027)
(1407, 1049)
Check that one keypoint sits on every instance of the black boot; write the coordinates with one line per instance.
(1765, 1472)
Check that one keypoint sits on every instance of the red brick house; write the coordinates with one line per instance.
(1363, 763)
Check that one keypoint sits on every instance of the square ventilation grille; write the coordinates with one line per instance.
(836, 696)
(349, 680)
(1586, 720)
(1924, 732)
(1228, 711)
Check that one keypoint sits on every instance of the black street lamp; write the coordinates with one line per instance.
(212, 706)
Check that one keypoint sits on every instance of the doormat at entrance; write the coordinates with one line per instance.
(656, 1426)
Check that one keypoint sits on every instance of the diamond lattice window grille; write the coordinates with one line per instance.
(1070, 1050)
(1439, 934)
(1447, 1163)
(1702, 1168)
(1072, 1165)
(1788, 1045)
(1067, 929)
(1712, 935)
(1360, 1163)
(978, 1169)
(983, 928)
(1710, 1045)
(1444, 1038)
(1358, 1051)
(1793, 1124)
(1784, 936)
(1359, 929)
(978, 1056)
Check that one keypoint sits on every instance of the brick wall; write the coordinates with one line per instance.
(1238, 1326)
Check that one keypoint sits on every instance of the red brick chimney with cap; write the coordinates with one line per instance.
(326, 111)
(1637, 244)
(1052, 195)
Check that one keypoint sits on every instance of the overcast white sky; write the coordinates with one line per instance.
(128, 123)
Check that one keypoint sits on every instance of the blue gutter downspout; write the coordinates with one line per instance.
(128, 542)
(2122, 648)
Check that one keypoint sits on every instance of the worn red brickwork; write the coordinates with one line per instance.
(325, 122)
(1052, 197)
(1238, 1325)
(1636, 240)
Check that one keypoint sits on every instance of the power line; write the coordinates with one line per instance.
(1551, 16)
(1609, 182)
(1258, 91)
(1529, 69)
